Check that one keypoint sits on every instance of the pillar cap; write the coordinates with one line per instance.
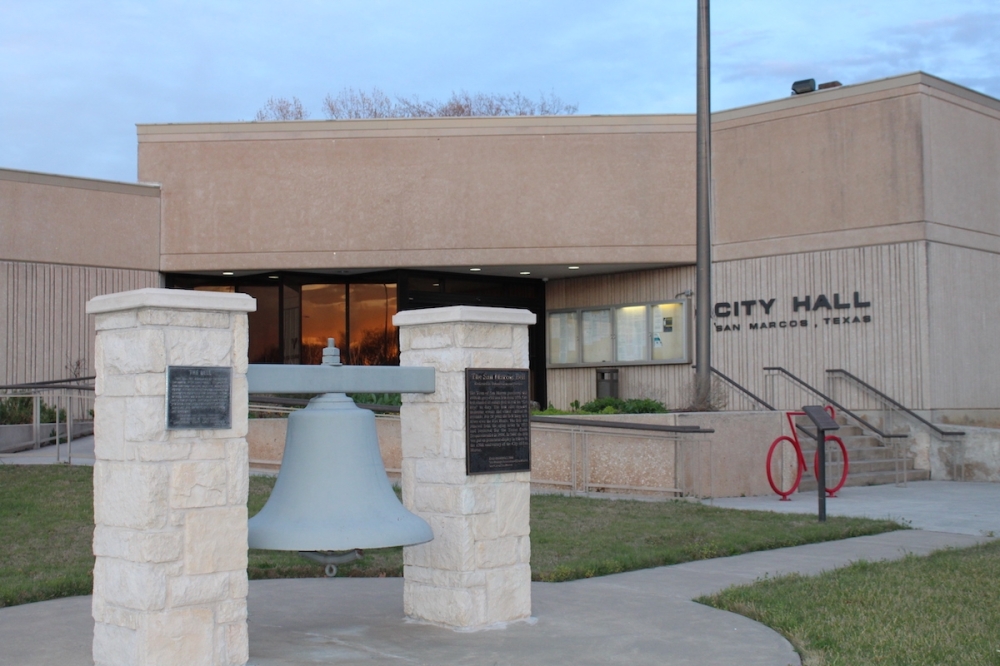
(171, 299)
(464, 314)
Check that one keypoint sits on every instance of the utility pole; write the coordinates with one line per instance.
(703, 284)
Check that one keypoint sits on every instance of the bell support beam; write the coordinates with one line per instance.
(263, 378)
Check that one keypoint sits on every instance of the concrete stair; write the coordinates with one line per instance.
(871, 463)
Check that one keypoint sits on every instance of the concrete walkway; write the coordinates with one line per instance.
(641, 617)
(942, 506)
(82, 454)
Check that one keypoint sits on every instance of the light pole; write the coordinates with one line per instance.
(703, 278)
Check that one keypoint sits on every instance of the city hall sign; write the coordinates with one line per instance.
(835, 310)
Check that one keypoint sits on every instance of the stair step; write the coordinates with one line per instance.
(869, 479)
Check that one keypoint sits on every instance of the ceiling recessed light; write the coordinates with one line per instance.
(475, 270)
(525, 272)
(573, 268)
(273, 277)
(227, 272)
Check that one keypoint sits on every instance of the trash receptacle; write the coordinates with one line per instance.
(607, 382)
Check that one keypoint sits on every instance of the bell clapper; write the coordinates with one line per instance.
(332, 558)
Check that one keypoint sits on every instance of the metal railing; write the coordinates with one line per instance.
(892, 407)
(900, 470)
(757, 400)
(284, 405)
(894, 404)
(686, 464)
(71, 401)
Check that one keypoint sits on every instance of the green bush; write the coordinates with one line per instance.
(643, 406)
(17, 411)
(377, 398)
(601, 405)
(619, 406)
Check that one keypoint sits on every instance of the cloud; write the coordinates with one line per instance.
(961, 48)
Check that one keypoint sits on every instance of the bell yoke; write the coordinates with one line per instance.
(332, 494)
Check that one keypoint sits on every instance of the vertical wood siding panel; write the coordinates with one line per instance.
(45, 329)
(890, 352)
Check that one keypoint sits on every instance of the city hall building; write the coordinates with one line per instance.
(854, 228)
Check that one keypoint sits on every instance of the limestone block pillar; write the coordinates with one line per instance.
(170, 515)
(476, 572)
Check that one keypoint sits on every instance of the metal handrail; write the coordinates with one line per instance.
(840, 408)
(302, 402)
(739, 387)
(50, 383)
(559, 420)
(910, 412)
(54, 384)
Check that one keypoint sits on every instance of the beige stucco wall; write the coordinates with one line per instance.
(79, 221)
(726, 463)
(423, 193)
(964, 320)
(962, 166)
(64, 240)
(817, 175)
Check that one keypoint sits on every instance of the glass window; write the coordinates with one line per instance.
(562, 338)
(374, 340)
(291, 324)
(631, 333)
(263, 325)
(668, 332)
(597, 347)
(324, 315)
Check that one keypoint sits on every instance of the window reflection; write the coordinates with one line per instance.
(374, 340)
(263, 325)
(324, 315)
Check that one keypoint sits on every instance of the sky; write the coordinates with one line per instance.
(77, 76)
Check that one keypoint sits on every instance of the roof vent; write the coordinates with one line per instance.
(830, 84)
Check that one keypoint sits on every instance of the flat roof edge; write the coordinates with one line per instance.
(856, 89)
(56, 180)
(500, 123)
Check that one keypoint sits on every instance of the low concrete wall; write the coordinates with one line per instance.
(266, 439)
(974, 457)
(19, 437)
(727, 463)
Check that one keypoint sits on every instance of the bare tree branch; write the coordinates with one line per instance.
(358, 104)
(280, 108)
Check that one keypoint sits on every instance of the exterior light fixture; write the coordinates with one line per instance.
(804, 86)
(273, 277)
(475, 270)
(573, 268)
(227, 272)
(525, 272)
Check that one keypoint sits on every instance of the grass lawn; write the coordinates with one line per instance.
(940, 609)
(46, 530)
(46, 523)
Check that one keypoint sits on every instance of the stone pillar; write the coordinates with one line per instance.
(476, 572)
(170, 514)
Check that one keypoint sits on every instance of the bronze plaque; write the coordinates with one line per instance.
(199, 398)
(497, 425)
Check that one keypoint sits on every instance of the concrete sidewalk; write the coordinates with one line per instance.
(82, 450)
(941, 506)
(640, 617)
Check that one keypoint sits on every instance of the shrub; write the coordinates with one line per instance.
(619, 406)
(17, 411)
